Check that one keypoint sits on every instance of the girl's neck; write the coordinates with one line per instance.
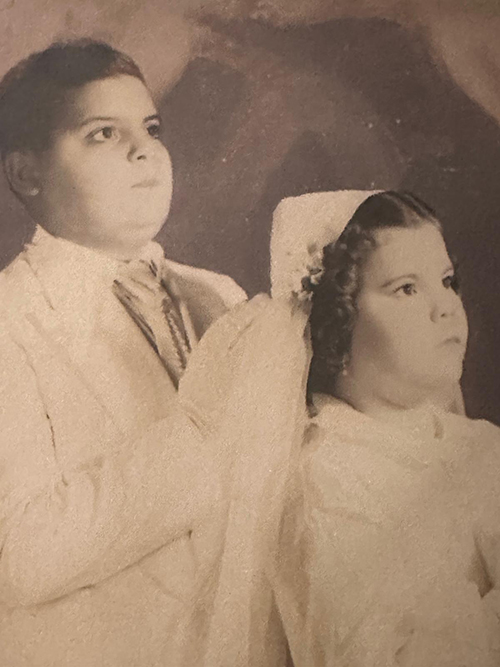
(411, 411)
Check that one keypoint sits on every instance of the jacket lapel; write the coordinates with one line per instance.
(38, 326)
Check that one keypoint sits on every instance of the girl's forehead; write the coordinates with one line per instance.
(406, 250)
(119, 97)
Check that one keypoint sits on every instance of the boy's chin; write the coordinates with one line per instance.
(145, 229)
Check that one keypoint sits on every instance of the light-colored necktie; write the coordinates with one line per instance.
(146, 296)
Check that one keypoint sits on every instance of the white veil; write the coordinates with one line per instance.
(302, 227)
(245, 388)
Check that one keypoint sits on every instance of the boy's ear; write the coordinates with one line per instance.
(22, 173)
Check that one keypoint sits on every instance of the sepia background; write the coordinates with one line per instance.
(265, 100)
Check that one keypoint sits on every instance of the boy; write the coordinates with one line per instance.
(102, 479)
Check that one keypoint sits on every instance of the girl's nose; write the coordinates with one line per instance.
(445, 304)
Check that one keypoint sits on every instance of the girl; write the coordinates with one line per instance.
(386, 554)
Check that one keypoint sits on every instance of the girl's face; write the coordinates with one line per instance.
(106, 180)
(411, 330)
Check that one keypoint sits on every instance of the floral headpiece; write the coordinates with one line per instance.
(302, 227)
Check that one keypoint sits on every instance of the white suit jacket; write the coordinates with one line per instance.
(97, 560)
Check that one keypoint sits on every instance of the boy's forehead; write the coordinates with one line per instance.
(121, 97)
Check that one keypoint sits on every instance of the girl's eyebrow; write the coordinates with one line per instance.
(107, 119)
(412, 276)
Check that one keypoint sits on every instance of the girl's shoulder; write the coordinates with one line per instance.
(476, 431)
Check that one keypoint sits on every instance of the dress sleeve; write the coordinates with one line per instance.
(482, 480)
(254, 363)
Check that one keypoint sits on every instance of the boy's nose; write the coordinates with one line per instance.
(138, 153)
(140, 148)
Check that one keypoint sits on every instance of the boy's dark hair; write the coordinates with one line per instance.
(34, 92)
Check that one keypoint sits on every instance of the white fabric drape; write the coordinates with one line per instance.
(245, 387)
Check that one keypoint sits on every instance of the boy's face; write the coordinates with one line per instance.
(106, 180)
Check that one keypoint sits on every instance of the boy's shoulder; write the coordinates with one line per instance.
(15, 281)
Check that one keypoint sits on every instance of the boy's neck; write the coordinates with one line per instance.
(118, 251)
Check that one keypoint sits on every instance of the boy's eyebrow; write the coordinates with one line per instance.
(93, 119)
(107, 119)
(154, 116)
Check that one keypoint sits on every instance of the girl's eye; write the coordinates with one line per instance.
(104, 134)
(451, 281)
(408, 289)
(154, 130)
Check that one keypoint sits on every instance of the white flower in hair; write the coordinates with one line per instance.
(302, 227)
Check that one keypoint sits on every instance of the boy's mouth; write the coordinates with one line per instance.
(147, 183)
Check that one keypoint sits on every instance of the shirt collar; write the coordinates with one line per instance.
(73, 275)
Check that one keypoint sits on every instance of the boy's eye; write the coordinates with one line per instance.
(104, 134)
(154, 130)
(408, 289)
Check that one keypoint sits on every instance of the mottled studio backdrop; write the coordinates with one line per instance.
(262, 101)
